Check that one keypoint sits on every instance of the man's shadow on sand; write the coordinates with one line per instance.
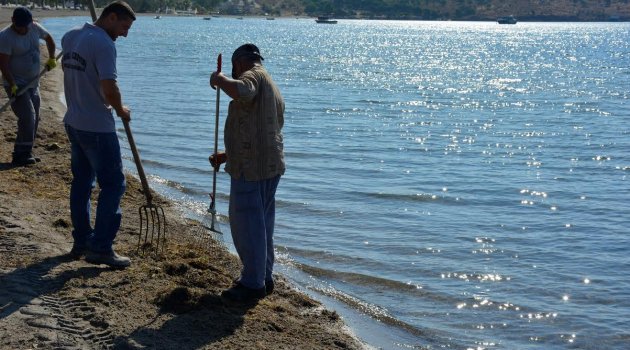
(23, 285)
(194, 325)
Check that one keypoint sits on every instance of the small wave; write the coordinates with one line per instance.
(415, 197)
(166, 166)
(374, 311)
(176, 185)
(376, 283)
(183, 189)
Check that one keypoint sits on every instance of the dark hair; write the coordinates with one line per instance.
(121, 9)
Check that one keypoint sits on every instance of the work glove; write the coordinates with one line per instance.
(14, 90)
(51, 63)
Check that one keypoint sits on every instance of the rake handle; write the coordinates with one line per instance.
(216, 138)
(136, 159)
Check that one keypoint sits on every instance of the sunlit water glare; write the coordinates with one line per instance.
(464, 184)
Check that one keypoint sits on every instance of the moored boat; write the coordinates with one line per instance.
(507, 20)
(326, 20)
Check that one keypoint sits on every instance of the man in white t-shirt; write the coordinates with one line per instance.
(19, 63)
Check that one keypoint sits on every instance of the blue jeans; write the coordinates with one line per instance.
(252, 217)
(95, 156)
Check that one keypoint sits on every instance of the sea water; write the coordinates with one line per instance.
(459, 185)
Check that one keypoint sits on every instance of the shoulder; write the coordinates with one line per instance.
(257, 73)
(6, 32)
(37, 25)
(40, 29)
(5, 29)
(90, 35)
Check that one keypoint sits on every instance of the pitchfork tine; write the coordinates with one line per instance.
(148, 209)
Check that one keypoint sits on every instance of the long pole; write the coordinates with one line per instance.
(213, 210)
(92, 9)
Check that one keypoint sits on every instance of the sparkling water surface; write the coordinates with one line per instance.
(459, 185)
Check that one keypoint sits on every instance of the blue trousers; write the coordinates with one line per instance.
(252, 217)
(95, 156)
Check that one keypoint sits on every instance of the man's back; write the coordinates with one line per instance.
(89, 56)
(253, 130)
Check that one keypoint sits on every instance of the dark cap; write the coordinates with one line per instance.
(22, 16)
(249, 50)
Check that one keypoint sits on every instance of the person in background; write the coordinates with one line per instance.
(92, 94)
(19, 63)
(254, 158)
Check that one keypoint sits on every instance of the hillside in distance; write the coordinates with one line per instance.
(470, 10)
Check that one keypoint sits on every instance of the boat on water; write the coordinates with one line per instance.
(207, 18)
(507, 20)
(325, 20)
(157, 17)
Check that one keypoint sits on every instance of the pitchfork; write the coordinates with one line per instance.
(152, 218)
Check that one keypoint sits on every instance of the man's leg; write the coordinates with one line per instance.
(25, 112)
(111, 180)
(269, 209)
(82, 184)
(247, 223)
(36, 100)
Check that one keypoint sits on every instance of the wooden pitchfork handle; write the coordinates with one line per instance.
(136, 159)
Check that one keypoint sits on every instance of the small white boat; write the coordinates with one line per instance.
(157, 17)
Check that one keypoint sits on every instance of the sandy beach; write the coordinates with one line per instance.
(172, 301)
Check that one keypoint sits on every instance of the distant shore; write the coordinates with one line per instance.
(170, 301)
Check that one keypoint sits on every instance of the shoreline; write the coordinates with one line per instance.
(47, 301)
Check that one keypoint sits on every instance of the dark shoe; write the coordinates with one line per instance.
(77, 252)
(241, 294)
(269, 286)
(108, 258)
(21, 161)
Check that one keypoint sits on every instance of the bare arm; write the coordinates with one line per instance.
(50, 44)
(4, 67)
(113, 97)
(228, 85)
